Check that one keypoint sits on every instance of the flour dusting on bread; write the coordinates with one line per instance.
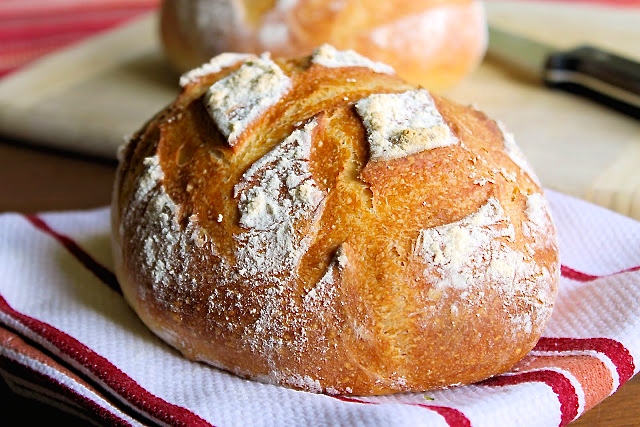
(539, 226)
(164, 241)
(274, 194)
(466, 255)
(330, 57)
(401, 124)
(215, 65)
(235, 101)
(515, 153)
(458, 250)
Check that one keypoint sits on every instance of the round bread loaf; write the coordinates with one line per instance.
(321, 224)
(434, 43)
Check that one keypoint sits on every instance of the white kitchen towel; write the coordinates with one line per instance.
(67, 337)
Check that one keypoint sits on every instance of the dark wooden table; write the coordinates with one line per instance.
(35, 180)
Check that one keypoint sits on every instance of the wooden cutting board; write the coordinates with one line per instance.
(89, 98)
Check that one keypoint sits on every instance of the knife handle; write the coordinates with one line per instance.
(602, 76)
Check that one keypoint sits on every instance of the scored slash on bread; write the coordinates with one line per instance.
(325, 225)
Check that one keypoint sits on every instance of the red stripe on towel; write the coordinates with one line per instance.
(101, 373)
(59, 395)
(578, 276)
(560, 384)
(614, 350)
(452, 416)
(100, 271)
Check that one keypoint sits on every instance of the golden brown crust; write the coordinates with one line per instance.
(308, 253)
(434, 43)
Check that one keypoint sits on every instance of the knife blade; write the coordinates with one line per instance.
(589, 71)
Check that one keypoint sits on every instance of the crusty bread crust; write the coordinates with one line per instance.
(297, 248)
(434, 43)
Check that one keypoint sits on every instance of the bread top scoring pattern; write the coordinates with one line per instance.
(241, 97)
(279, 204)
(273, 195)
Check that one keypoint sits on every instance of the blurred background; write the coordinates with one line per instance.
(33, 28)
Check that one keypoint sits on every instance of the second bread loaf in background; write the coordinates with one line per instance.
(433, 43)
